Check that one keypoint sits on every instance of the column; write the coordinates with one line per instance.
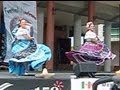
(50, 32)
(77, 32)
(91, 11)
(107, 41)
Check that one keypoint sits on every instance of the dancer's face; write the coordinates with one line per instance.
(23, 23)
(92, 27)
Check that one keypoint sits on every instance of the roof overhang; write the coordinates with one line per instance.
(104, 10)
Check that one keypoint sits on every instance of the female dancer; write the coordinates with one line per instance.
(25, 52)
(93, 49)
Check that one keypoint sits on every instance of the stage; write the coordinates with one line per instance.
(60, 81)
(12, 82)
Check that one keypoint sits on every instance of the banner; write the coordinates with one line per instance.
(14, 10)
(30, 83)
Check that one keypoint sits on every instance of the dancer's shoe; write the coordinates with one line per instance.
(45, 74)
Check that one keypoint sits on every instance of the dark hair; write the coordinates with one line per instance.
(19, 21)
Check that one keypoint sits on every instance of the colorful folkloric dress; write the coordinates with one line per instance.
(26, 53)
(91, 52)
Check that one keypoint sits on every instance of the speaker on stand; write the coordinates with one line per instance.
(85, 69)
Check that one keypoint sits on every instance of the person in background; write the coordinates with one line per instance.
(26, 53)
(93, 50)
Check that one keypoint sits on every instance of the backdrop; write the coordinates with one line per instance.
(14, 10)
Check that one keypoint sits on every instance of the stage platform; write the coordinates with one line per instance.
(60, 81)
(30, 82)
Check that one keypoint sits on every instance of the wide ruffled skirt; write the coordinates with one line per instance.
(27, 54)
(91, 52)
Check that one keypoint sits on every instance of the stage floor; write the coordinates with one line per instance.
(58, 75)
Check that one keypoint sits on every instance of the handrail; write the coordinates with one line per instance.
(115, 79)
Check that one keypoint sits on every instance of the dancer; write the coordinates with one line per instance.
(93, 50)
(25, 52)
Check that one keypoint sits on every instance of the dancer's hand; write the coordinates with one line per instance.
(29, 24)
(31, 38)
(28, 37)
(94, 40)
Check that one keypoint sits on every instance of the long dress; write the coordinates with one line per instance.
(91, 52)
(26, 53)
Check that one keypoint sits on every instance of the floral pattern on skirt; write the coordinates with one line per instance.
(91, 52)
(26, 53)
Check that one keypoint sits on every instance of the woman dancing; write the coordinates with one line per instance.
(93, 49)
(25, 52)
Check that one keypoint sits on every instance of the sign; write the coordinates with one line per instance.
(86, 84)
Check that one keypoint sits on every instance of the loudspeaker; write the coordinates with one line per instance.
(85, 69)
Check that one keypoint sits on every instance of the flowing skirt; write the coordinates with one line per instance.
(91, 52)
(27, 54)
